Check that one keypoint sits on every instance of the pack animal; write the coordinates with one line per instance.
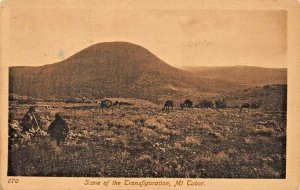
(168, 105)
(187, 104)
(105, 104)
(255, 105)
(244, 105)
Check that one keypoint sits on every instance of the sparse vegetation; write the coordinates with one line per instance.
(143, 141)
(80, 100)
(26, 101)
(135, 137)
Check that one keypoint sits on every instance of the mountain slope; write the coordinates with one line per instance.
(112, 69)
(270, 97)
(116, 69)
(244, 75)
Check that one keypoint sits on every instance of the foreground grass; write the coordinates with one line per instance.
(143, 141)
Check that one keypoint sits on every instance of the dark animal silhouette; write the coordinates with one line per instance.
(125, 104)
(220, 104)
(205, 104)
(168, 105)
(187, 104)
(119, 103)
(116, 103)
(255, 105)
(105, 104)
(244, 105)
(58, 129)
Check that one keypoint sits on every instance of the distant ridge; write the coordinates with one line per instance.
(245, 75)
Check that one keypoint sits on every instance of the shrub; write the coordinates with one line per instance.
(26, 101)
(122, 122)
(192, 140)
(151, 123)
(73, 100)
(221, 157)
(267, 132)
(221, 104)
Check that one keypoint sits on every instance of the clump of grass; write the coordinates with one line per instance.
(232, 150)
(72, 146)
(161, 119)
(177, 145)
(124, 140)
(211, 157)
(216, 136)
(144, 157)
(151, 123)
(149, 132)
(271, 124)
(164, 137)
(205, 156)
(163, 129)
(267, 132)
(205, 127)
(106, 133)
(267, 171)
(113, 140)
(192, 140)
(123, 122)
(221, 157)
(248, 140)
(101, 127)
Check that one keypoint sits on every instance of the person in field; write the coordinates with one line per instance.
(31, 121)
(58, 129)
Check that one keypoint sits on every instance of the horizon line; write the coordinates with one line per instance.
(220, 66)
(178, 67)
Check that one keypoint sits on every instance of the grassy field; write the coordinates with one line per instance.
(142, 141)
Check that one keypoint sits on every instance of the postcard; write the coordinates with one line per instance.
(150, 94)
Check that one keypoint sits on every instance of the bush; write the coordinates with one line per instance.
(80, 100)
(12, 97)
(26, 101)
(205, 104)
(220, 104)
(73, 100)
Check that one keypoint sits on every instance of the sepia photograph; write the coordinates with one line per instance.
(144, 94)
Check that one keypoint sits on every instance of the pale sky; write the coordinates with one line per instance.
(178, 37)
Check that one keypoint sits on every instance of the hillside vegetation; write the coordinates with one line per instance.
(142, 141)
